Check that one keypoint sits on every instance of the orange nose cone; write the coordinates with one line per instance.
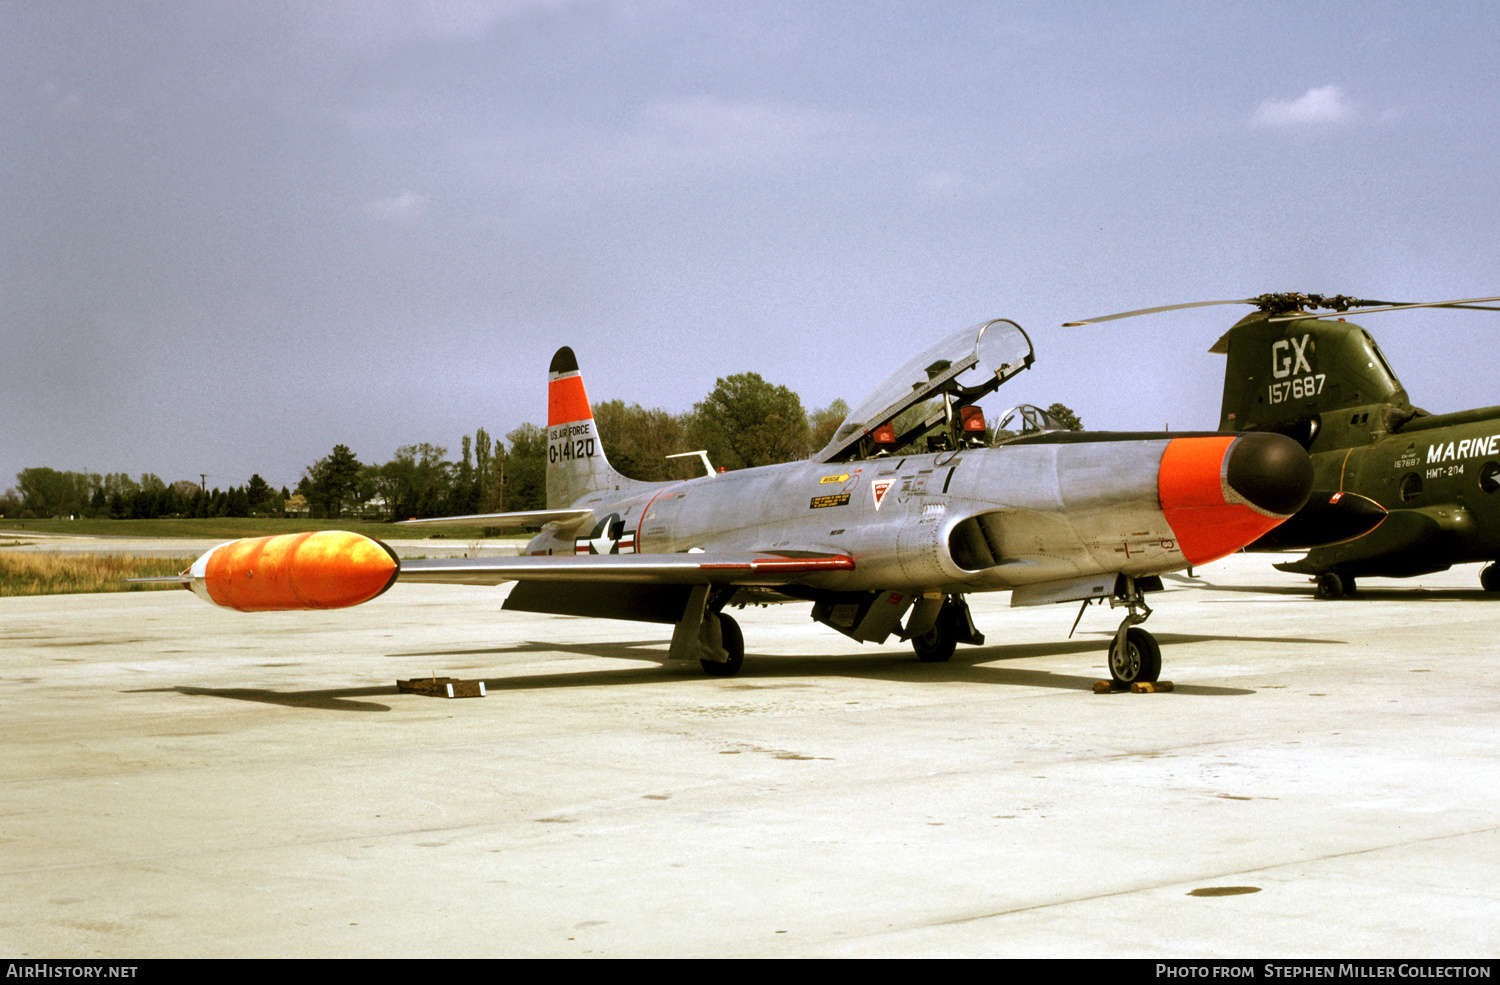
(1221, 493)
(329, 569)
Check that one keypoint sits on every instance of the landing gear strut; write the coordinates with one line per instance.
(1134, 654)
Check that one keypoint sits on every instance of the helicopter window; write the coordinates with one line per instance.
(1489, 477)
(1411, 487)
(1389, 373)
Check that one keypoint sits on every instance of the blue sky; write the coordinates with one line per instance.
(235, 234)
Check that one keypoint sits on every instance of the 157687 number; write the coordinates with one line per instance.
(1301, 387)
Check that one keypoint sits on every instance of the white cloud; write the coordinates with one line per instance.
(1321, 104)
(407, 205)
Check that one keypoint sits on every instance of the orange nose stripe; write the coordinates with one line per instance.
(566, 401)
(329, 569)
(1191, 487)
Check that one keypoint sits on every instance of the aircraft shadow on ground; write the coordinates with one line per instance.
(332, 699)
(1477, 595)
(975, 665)
(1382, 594)
(627, 651)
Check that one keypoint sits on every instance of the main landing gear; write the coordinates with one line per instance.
(1134, 654)
(1489, 578)
(950, 625)
(706, 634)
(730, 642)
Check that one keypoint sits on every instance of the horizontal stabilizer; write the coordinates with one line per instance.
(523, 518)
(737, 568)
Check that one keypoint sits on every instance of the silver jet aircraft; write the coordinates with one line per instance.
(884, 530)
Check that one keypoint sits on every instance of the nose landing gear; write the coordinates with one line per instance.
(1134, 654)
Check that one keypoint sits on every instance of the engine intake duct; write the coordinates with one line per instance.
(974, 544)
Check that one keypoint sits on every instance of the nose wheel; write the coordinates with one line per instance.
(1138, 658)
(1134, 654)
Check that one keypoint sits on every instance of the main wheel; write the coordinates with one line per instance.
(1330, 586)
(1140, 660)
(734, 642)
(1489, 578)
(939, 642)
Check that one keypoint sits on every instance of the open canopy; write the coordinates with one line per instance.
(959, 370)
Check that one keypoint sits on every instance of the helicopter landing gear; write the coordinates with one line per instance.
(1489, 578)
(1134, 654)
(1331, 585)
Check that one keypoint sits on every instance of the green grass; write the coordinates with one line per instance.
(230, 528)
(24, 573)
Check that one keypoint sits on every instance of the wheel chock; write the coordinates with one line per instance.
(1139, 687)
(442, 687)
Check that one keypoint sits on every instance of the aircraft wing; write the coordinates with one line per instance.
(523, 518)
(738, 568)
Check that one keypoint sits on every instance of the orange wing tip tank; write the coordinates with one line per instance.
(328, 569)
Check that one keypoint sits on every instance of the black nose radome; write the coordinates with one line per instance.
(1271, 471)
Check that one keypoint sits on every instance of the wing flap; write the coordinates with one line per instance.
(730, 568)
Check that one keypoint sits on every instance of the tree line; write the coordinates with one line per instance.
(744, 422)
(44, 492)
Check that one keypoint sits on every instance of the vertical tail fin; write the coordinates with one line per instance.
(1324, 383)
(576, 465)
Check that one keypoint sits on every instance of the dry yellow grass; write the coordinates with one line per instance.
(24, 573)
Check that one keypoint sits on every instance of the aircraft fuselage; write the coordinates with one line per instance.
(978, 519)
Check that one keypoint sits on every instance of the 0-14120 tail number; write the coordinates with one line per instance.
(1297, 389)
(560, 451)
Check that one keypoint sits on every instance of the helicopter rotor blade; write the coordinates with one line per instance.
(1152, 311)
(1473, 304)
